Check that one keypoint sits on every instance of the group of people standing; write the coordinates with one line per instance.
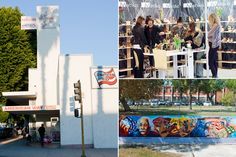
(146, 35)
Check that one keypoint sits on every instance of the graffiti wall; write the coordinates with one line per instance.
(177, 126)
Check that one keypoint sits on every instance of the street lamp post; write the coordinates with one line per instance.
(78, 97)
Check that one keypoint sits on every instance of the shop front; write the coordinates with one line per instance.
(169, 52)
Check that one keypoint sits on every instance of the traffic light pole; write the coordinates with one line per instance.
(78, 97)
(82, 127)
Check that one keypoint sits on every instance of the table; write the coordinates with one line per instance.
(189, 60)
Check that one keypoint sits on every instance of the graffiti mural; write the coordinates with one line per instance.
(177, 126)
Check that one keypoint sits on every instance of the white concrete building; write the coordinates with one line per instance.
(50, 95)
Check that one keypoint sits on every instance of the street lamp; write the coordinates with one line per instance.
(78, 112)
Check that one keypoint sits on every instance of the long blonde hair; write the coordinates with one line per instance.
(213, 19)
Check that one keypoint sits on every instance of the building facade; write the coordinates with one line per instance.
(50, 96)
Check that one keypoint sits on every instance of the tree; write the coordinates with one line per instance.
(17, 52)
(231, 85)
(192, 88)
(210, 87)
(3, 116)
(138, 90)
(180, 86)
(228, 99)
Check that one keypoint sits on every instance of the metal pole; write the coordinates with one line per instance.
(82, 126)
(206, 37)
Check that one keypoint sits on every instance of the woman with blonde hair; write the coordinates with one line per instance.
(214, 39)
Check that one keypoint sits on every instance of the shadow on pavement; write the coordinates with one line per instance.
(20, 149)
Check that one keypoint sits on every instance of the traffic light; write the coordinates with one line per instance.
(77, 91)
(77, 113)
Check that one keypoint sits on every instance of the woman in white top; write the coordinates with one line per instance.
(214, 39)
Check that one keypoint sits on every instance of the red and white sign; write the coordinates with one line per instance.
(28, 23)
(104, 77)
(29, 108)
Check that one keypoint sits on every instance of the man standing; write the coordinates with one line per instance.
(41, 131)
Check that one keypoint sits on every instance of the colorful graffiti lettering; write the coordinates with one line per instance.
(177, 126)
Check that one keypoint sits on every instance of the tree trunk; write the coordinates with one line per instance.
(125, 105)
(211, 99)
(164, 93)
(198, 94)
(172, 93)
(190, 99)
(215, 97)
(190, 95)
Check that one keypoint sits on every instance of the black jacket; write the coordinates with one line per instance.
(139, 36)
(41, 131)
(152, 35)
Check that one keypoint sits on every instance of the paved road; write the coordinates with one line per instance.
(18, 148)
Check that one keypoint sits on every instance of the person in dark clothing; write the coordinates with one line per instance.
(138, 32)
(41, 131)
(139, 43)
(152, 34)
(179, 29)
(191, 35)
(147, 19)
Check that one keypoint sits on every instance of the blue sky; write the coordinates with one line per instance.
(87, 26)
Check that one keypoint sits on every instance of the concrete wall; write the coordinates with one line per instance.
(178, 126)
(71, 69)
(105, 112)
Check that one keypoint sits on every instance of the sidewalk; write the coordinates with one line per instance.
(20, 149)
(194, 150)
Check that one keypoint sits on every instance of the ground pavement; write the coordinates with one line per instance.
(18, 148)
(198, 150)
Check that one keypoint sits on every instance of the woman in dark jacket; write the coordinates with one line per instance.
(152, 34)
(139, 42)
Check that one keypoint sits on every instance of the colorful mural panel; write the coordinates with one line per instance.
(177, 126)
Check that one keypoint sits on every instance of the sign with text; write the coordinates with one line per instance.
(167, 5)
(29, 108)
(28, 23)
(145, 5)
(104, 77)
(48, 17)
(122, 4)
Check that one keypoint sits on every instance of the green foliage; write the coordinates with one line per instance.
(17, 52)
(137, 90)
(211, 86)
(181, 86)
(3, 116)
(231, 84)
(219, 12)
(228, 99)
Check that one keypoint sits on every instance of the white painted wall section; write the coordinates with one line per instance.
(71, 69)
